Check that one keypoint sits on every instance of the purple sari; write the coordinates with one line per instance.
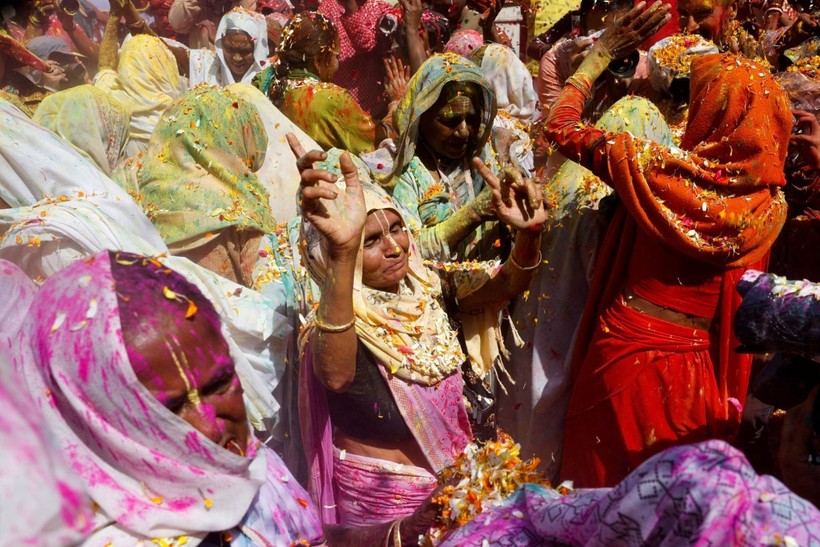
(700, 494)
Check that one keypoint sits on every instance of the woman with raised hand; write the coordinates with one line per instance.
(654, 365)
(381, 382)
(444, 120)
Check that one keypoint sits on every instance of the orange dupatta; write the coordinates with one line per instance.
(718, 200)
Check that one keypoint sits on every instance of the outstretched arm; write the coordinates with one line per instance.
(580, 143)
(339, 216)
(110, 44)
(416, 54)
(519, 203)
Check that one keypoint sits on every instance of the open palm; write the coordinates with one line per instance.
(337, 211)
(517, 201)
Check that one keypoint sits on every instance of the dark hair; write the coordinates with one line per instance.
(307, 35)
(437, 27)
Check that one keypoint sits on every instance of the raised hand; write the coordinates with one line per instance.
(489, 10)
(807, 142)
(580, 50)
(56, 77)
(517, 201)
(397, 76)
(623, 37)
(412, 14)
(339, 214)
(44, 8)
(118, 7)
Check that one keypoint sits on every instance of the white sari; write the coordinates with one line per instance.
(209, 67)
(64, 208)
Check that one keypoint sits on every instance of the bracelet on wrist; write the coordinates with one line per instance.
(397, 533)
(388, 537)
(35, 21)
(330, 327)
(582, 83)
(393, 537)
(526, 268)
(138, 25)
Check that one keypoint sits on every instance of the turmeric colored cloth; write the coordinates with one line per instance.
(692, 221)
(197, 181)
(328, 113)
(146, 82)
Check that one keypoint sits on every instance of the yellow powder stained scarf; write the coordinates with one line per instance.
(147, 82)
(408, 333)
(423, 90)
(199, 173)
(91, 120)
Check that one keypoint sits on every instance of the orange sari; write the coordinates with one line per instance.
(692, 221)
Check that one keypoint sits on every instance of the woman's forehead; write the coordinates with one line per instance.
(375, 217)
(237, 38)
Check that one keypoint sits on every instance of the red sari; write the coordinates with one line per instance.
(690, 224)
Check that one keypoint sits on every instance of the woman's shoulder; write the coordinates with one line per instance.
(415, 168)
(317, 89)
(201, 62)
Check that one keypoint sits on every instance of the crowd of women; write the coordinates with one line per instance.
(269, 269)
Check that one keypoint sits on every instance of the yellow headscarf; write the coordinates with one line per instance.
(91, 120)
(147, 83)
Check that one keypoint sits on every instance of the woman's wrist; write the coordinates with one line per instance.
(343, 255)
(526, 252)
(595, 63)
(70, 28)
(526, 263)
(35, 20)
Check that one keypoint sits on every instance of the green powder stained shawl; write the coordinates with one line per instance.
(199, 174)
(423, 90)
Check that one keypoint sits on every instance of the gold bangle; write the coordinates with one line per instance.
(582, 83)
(329, 327)
(139, 25)
(389, 535)
(526, 268)
(397, 533)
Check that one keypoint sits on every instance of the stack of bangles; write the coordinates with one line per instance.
(393, 532)
(526, 268)
(582, 83)
(35, 21)
(139, 25)
(330, 327)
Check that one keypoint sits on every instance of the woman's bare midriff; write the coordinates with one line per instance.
(403, 452)
(684, 319)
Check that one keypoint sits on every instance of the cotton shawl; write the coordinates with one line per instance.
(511, 81)
(199, 173)
(91, 120)
(37, 165)
(44, 502)
(151, 473)
(146, 81)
